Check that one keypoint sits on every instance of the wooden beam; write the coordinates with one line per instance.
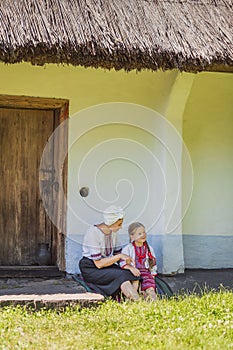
(27, 102)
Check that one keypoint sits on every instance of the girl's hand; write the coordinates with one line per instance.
(126, 258)
(135, 271)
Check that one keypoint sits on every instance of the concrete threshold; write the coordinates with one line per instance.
(51, 300)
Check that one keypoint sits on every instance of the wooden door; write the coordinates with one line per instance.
(23, 220)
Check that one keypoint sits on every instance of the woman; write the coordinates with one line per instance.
(101, 253)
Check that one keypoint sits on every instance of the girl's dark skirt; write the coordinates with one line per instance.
(107, 280)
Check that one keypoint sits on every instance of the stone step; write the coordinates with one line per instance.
(30, 271)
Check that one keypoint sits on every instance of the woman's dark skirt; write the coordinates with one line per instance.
(107, 280)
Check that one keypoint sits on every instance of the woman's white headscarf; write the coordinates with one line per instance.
(112, 214)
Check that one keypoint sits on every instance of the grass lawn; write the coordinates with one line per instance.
(185, 323)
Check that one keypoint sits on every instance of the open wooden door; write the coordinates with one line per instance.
(26, 123)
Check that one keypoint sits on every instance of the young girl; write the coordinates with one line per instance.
(143, 255)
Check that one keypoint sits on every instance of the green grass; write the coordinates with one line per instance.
(186, 322)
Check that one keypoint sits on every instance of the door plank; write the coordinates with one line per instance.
(23, 135)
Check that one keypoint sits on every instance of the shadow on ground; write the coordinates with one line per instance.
(200, 280)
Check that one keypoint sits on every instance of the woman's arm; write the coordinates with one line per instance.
(133, 270)
(104, 262)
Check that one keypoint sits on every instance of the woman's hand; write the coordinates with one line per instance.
(126, 258)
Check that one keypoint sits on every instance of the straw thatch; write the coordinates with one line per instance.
(191, 35)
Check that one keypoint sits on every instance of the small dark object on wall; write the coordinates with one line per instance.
(84, 191)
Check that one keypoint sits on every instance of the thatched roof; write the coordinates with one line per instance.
(191, 35)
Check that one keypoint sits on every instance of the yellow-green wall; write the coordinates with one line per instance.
(208, 134)
(86, 87)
